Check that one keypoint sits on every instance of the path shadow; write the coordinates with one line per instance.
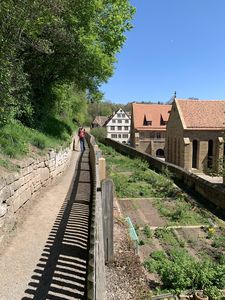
(62, 269)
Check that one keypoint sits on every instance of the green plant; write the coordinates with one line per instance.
(147, 231)
(141, 242)
(219, 241)
(179, 271)
(99, 133)
(214, 293)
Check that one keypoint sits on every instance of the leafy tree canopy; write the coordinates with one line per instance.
(50, 47)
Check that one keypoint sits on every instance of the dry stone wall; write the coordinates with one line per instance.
(17, 188)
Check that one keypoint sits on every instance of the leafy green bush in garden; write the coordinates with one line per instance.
(99, 133)
(148, 232)
(219, 241)
(180, 272)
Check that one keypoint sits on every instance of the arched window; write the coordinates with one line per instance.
(160, 153)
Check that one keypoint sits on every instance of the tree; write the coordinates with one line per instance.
(48, 44)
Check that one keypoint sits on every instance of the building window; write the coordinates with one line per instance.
(113, 121)
(112, 127)
(151, 135)
(119, 127)
(118, 115)
(195, 154)
(123, 115)
(210, 154)
(113, 136)
(119, 136)
(160, 153)
(125, 136)
(119, 121)
(125, 127)
(142, 135)
(147, 122)
(158, 135)
(126, 121)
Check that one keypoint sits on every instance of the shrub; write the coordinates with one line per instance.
(148, 231)
(99, 133)
(179, 272)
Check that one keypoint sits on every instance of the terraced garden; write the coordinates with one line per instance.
(181, 244)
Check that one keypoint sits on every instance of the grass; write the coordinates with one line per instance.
(141, 181)
(5, 163)
(178, 270)
(17, 140)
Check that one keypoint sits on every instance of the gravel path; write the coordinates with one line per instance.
(30, 257)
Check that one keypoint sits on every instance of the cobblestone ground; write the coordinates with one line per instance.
(47, 254)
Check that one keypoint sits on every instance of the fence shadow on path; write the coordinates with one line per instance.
(62, 269)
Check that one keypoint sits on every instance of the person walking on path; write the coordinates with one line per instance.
(81, 134)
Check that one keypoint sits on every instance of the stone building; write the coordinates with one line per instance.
(148, 127)
(195, 134)
(118, 127)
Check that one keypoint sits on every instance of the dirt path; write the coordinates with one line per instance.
(31, 255)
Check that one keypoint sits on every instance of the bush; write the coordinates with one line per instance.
(148, 231)
(179, 272)
(99, 133)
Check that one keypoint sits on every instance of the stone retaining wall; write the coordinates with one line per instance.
(211, 192)
(17, 188)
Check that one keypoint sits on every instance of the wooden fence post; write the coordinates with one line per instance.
(107, 210)
(102, 168)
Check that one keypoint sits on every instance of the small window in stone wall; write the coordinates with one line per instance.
(125, 136)
(119, 136)
(113, 136)
(141, 135)
(112, 127)
(113, 121)
(123, 115)
(126, 121)
(125, 127)
(119, 127)
(118, 115)
(119, 121)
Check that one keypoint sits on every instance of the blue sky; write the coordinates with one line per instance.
(174, 45)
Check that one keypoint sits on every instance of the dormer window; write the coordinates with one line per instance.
(163, 119)
(147, 122)
(162, 122)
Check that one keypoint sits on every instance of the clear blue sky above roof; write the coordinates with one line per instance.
(174, 45)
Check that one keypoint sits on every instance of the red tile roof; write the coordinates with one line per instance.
(152, 112)
(202, 114)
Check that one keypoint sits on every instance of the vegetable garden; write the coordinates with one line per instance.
(181, 244)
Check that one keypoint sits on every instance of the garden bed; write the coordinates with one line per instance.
(181, 244)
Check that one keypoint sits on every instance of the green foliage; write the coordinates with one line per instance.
(48, 47)
(124, 188)
(148, 232)
(219, 241)
(179, 271)
(99, 133)
(16, 139)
